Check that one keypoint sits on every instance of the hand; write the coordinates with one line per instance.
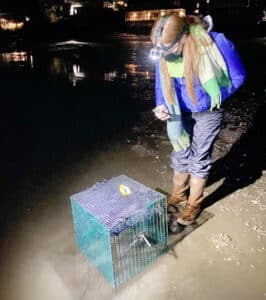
(161, 112)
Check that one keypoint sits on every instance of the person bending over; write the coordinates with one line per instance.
(196, 71)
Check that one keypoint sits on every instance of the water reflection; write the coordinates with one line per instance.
(60, 68)
(130, 71)
(133, 69)
(75, 62)
(111, 76)
(77, 74)
(57, 67)
(98, 62)
(22, 58)
(73, 70)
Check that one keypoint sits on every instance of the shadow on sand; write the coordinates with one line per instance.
(244, 163)
(246, 160)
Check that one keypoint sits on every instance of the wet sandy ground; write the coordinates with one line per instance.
(223, 258)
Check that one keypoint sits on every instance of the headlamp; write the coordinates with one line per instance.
(159, 50)
(156, 53)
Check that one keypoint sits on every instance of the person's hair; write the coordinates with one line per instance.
(173, 26)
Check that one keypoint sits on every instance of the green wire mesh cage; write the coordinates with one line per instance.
(121, 227)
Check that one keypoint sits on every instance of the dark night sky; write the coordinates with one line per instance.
(15, 5)
(21, 8)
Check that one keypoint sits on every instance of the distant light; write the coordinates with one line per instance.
(77, 72)
(264, 16)
(115, 5)
(27, 19)
(110, 76)
(31, 61)
(145, 15)
(71, 42)
(10, 25)
(147, 75)
(14, 57)
(74, 8)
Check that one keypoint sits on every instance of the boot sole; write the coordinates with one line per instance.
(184, 222)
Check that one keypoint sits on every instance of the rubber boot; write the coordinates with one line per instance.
(180, 185)
(193, 206)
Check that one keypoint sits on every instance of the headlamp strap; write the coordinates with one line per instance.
(159, 30)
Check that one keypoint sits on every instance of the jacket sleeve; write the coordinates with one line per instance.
(159, 98)
(236, 69)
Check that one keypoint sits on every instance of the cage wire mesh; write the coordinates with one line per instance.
(120, 235)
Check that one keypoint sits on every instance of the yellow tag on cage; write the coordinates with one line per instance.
(124, 190)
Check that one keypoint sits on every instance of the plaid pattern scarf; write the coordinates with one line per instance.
(212, 74)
